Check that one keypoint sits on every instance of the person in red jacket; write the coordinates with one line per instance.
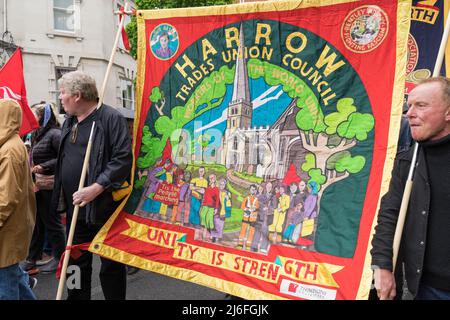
(210, 206)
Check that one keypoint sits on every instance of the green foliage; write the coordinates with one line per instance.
(345, 123)
(344, 108)
(343, 161)
(234, 223)
(317, 176)
(350, 164)
(358, 125)
(165, 125)
(140, 183)
(131, 28)
(150, 147)
(249, 178)
(217, 91)
(204, 140)
(333, 140)
(209, 167)
(310, 119)
(310, 116)
(156, 95)
(331, 161)
(310, 162)
(233, 191)
(164, 4)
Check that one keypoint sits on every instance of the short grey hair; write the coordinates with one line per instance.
(78, 81)
(445, 85)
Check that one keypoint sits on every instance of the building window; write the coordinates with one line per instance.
(235, 143)
(127, 93)
(65, 16)
(59, 72)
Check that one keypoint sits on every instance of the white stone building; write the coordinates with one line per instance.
(57, 36)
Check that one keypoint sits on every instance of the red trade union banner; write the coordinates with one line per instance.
(12, 86)
(282, 119)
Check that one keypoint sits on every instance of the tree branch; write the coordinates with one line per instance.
(311, 139)
(159, 109)
(322, 140)
(333, 178)
(343, 146)
(308, 141)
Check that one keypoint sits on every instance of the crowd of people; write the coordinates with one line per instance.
(272, 212)
(41, 184)
(36, 186)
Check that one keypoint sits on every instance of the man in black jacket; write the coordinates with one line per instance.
(109, 167)
(425, 244)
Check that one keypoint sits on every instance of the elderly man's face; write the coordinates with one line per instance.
(429, 113)
(68, 101)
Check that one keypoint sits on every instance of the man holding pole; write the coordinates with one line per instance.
(109, 167)
(425, 245)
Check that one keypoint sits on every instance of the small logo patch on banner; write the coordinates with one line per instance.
(364, 29)
(305, 291)
(164, 41)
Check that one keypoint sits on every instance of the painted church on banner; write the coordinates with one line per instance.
(265, 151)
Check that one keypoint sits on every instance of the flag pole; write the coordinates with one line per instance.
(409, 182)
(73, 223)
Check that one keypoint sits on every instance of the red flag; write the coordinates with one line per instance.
(167, 152)
(291, 176)
(12, 86)
(126, 42)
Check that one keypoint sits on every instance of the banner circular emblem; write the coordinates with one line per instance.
(364, 29)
